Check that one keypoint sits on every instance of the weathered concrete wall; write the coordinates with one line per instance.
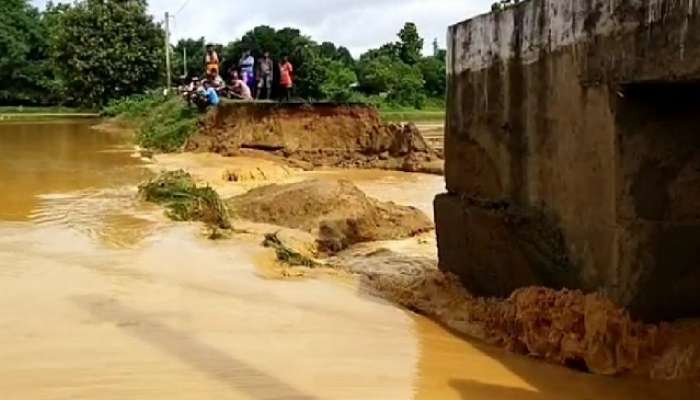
(572, 151)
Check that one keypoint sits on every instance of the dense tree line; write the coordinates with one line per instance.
(85, 53)
(92, 51)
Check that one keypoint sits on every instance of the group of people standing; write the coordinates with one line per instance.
(244, 77)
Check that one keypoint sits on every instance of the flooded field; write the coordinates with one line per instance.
(103, 298)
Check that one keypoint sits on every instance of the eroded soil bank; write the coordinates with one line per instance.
(566, 328)
(318, 135)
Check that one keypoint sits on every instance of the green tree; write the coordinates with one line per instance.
(376, 73)
(434, 75)
(401, 83)
(338, 82)
(391, 50)
(303, 53)
(310, 72)
(194, 50)
(407, 86)
(343, 55)
(411, 44)
(328, 50)
(259, 40)
(107, 49)
(25, 73)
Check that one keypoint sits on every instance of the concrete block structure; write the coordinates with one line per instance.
(573, 152)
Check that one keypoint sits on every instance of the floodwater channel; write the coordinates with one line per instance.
(103, 298)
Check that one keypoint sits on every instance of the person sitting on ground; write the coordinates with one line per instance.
(265, 66)
(241, 90)
(217, 82)
(247, 65)
(198, 96)
(233, 75)
(189, 92)
(194, 83)
(211, 60)
(211, 95)
(286, 78)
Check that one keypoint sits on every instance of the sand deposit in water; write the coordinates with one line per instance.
(168, 314)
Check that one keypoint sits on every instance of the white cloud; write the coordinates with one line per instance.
(356, 24)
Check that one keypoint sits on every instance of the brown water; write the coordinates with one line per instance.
(104, 299)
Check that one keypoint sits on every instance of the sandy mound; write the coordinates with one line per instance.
(336, 211)
(321, 135)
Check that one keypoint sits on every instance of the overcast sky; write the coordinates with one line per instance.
(356, 24)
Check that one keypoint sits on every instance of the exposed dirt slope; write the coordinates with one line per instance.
(564, 327)
(322, 135)
(336, 211)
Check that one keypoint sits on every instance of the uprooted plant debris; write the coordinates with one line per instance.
(185, 201)
(286, 254)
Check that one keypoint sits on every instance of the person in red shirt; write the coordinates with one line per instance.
(286, 78)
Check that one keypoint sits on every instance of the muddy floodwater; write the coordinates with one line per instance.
(102, 298)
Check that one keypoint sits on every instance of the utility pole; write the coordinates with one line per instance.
(169, 82)
(184, 61)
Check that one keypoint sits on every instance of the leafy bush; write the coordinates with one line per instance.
(133, 107)
(185, 201)
(401, 83)
(168, 125)
(406, 87)
(435, 75)
(164, 122)
(338, 83)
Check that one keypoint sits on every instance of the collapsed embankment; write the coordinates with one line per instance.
(569, 328)
(318, 135)
(309, 223)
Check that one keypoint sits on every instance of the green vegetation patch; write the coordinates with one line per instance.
(185, 201)
(413, 116)
(164, 122)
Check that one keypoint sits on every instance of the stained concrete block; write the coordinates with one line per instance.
(496, 248)
(580, 117)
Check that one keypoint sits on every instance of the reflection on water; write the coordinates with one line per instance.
(103, 299)
(115, 217)
(45, 158)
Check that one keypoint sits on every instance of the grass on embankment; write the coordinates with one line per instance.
(185, 201)
(433, 111)
(413, 116)
(163, 123)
